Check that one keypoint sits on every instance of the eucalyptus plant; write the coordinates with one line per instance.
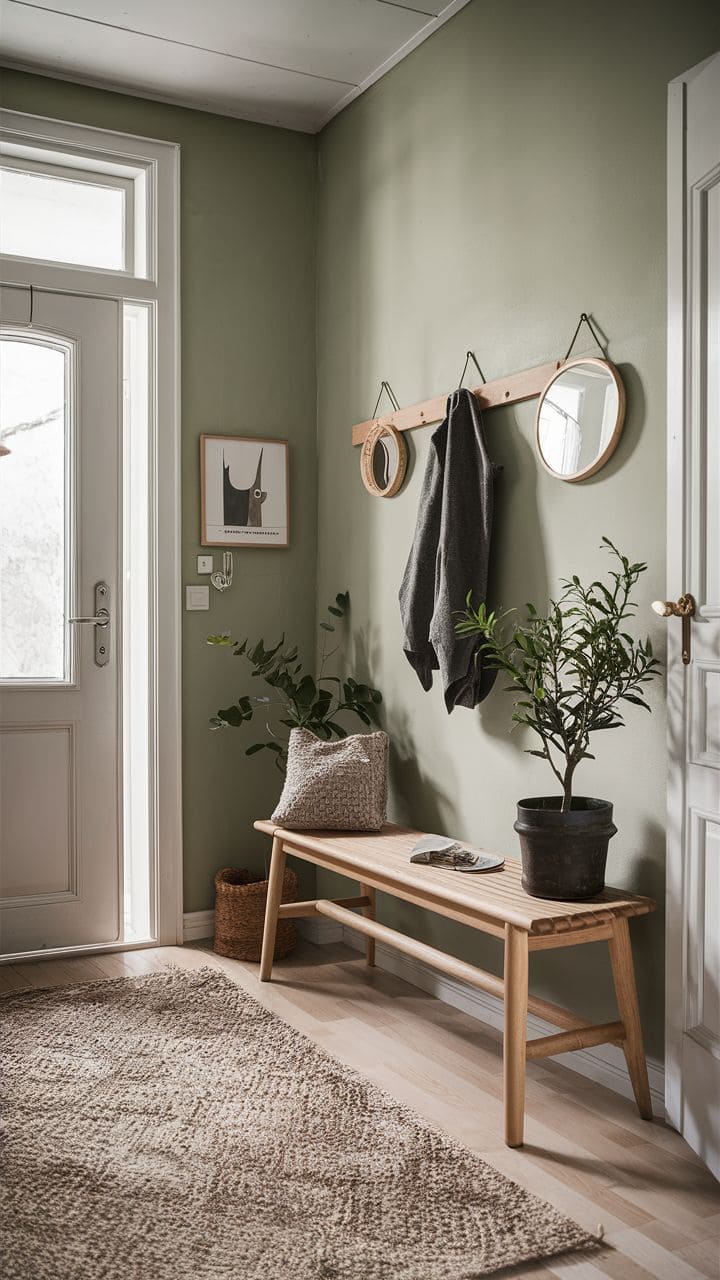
(297, 700)
(571, 669)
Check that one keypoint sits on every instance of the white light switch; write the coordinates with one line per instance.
(205, 564)
(197, 597)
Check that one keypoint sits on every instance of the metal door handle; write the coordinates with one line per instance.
(683, 608)
(100, 620)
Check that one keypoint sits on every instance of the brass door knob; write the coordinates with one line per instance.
(683, 608)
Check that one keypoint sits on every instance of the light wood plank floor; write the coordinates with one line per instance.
(586, 1151)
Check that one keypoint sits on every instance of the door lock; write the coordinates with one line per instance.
(100, 620)
(683, 608)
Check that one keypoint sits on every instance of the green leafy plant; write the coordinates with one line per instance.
(302, 702)
(572, 668)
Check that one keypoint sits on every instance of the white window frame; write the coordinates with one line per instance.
(124, 183)
(136, 175)
(154, 169)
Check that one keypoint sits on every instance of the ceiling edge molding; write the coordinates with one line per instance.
(419, 38)
(110, 86)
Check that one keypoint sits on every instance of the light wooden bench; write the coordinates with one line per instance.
(495, 903)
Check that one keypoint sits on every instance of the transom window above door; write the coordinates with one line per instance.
(73, 211)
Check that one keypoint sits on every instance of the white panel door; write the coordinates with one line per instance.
(693, 893)
(60, 862)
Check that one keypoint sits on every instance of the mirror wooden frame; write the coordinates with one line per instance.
(612, 443)
(376, 433)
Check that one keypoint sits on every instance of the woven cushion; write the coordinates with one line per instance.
(338, 786)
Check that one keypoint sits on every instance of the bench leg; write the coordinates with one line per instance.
(626, 993)
(275, 883)
(369, 912)
(515, 1033)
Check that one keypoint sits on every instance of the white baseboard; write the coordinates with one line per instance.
(198, 924)
(201, 924)
(604, 1064)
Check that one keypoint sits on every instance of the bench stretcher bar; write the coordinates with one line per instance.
(578, 1033)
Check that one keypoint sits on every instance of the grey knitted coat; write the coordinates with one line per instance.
(450, 556)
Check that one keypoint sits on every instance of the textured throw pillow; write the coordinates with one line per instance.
(338, 786)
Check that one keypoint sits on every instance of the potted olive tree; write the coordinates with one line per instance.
(570, 671)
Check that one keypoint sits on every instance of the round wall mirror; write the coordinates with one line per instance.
(383, 460)
(579, 418)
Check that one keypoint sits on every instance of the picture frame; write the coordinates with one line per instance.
(244, 492)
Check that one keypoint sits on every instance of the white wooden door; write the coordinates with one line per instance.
(60, 864)
(693, 880)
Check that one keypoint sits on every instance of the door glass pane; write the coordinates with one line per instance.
(33, 512)
(60, 220)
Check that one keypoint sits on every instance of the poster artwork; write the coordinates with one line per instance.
(244, 491)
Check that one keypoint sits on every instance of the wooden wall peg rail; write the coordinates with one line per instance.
(494, 903)
(510, 390)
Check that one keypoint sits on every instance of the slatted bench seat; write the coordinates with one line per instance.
(493, 902)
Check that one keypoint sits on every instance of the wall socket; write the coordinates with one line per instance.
(205, 564)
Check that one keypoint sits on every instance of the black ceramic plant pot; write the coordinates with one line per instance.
(564, 854)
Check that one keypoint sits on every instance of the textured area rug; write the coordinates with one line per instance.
(171, 1128)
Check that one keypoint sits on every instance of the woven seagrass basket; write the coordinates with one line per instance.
(240, 898)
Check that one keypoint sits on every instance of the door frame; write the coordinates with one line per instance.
(158, 167)
(681, 491)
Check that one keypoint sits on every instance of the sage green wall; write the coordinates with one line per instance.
(248, 366)
(507, 175)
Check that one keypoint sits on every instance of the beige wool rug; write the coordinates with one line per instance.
(169, 1127)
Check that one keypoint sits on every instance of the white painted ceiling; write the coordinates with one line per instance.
(294, 63)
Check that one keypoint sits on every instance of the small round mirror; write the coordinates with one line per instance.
(383, 460)
(579, 418)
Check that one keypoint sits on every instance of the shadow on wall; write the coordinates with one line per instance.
(632, 429)
(518, 568)
(418, 801)
(644, 873)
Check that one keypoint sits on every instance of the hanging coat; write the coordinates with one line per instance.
(450, 556)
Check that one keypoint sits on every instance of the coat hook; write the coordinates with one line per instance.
(470, 355)
(585, 319)
(385, 386)
(222, 578)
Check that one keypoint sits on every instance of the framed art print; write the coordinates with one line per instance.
(244, 492)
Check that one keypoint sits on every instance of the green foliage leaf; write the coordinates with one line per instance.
(232, 716)
(337, 729)
(302, 701)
